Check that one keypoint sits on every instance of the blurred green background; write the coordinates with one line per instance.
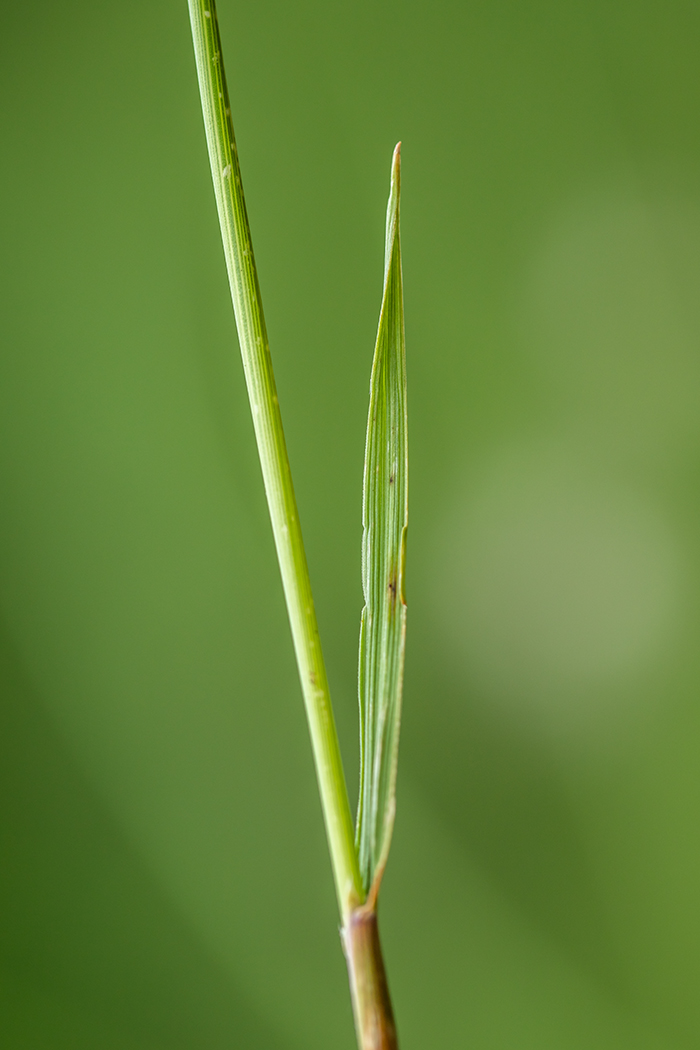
(164, 877)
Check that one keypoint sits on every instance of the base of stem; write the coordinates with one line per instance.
(374, 1017)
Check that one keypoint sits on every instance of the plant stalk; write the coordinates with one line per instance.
(267, 421)
(371, 1004)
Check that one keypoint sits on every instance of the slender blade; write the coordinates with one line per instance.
(384, 519)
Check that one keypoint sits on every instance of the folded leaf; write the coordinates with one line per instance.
(384, 519)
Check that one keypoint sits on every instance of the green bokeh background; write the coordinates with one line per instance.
(164, 877)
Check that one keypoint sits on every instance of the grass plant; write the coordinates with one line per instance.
(358, 854)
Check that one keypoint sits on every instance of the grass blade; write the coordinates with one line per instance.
(267, 421)
(384, 519)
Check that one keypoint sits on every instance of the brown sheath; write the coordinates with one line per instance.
(374, 1017)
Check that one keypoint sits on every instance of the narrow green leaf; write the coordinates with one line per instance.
(384, 519)
(267, 422)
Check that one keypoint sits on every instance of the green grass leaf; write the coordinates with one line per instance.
(384, 519)
(272, 449)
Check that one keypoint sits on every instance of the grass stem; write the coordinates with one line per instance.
(257, 365)
(374, 1020)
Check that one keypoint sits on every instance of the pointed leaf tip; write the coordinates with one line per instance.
(396, 165)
